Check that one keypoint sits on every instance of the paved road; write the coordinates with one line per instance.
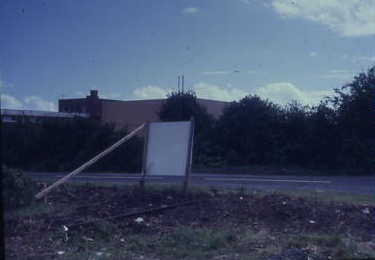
(364, 185)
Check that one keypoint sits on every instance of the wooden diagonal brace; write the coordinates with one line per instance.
(87, 164)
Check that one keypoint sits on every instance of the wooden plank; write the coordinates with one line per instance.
(89, 163)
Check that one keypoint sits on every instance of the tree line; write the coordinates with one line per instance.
(63, 145)
(336, 134)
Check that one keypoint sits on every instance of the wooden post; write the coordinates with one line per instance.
(144, 160)
(189, 158)
(87, 164)
(45, 197)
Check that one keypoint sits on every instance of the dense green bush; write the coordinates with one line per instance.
(18, 190)
(63, 145)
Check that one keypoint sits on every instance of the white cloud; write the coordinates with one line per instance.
(190, 10)
(149, 92)
(349, 17)
(278, 92)
(284, 92)
(10, 102)
(37, 103)
(202, 90)
(28, 103)
(209, 91)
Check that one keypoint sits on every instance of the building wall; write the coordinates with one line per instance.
(214, 107)
(91, 105)
(130, 114)
(127, 114)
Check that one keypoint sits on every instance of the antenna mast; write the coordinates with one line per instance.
(178, 84)
(182, 83)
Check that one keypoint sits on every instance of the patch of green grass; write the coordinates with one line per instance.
(320, 240)
(339, 246)
(256, 244)
(104, 229)
(142, 243)
(338, 197)
(206, 243)
(95, 251)
(31, 210)
(327, 197)
(18, 190)
(202, 243)
(175, 189)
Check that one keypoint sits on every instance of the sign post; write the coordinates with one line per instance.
(189, 159)
(144, 160)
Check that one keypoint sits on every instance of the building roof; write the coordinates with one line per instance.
(36, 113)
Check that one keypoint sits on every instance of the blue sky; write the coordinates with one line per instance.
(226, 49)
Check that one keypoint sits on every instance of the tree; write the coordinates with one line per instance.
(19, 143)
(294, 135)
(324, 142)
(354, 104)
(249, 131)
(181, 106)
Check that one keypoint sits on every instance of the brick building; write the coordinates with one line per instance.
(128, 114)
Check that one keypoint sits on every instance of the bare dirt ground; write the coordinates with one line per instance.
(157, 212)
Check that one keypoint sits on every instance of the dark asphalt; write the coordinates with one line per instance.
(361, 185)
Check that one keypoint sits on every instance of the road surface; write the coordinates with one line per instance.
(361, 184)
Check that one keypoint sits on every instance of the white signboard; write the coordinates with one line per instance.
(168, 148)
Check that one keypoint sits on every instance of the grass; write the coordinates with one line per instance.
(105, 240)
(200, 243)
(205, 243)
(180, 243)
(337, 197)
(37, 208)
(342, 247)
